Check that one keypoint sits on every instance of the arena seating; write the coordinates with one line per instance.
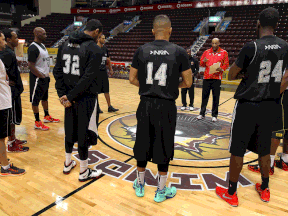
(242, 28)
(53, 24)
(184, 21)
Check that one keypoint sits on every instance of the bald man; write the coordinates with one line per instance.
(215, 56)
(39, 65)
(156, 68)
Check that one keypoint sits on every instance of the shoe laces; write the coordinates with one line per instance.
(13, 168)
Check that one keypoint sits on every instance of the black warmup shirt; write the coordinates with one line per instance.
(194, 64)
(264, 62)
(105, 55)
(8, 57)
(77, 67)
(159, 65)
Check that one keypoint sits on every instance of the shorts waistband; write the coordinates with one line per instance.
(155, 97)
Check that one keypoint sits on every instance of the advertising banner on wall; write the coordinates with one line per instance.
(172, 6)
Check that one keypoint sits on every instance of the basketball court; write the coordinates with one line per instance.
(201, 162)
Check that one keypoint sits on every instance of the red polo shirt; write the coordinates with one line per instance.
(213, 57)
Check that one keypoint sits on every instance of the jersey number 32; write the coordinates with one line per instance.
(74, 68)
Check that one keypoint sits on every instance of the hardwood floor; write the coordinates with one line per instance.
(45, 184)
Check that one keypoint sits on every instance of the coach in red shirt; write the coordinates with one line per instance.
(215, 60)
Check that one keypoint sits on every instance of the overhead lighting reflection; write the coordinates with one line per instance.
(59, 202)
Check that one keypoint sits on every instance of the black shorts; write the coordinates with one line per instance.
(156, 125)
(16, 111)
(280, 126)
(38, 89)
(81, 122)
(103, 82)
(4, 123)
(252, 127)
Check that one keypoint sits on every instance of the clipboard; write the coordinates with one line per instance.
(214, 67)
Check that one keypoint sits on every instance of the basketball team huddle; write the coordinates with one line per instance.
(158, 69)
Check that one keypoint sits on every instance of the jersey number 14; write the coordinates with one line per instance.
(160, 74)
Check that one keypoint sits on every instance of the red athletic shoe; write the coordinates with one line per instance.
(223, 194)
(49, 119)
(281, 164)
(256, 168)
(20, 142)
(40, 125)
(264, 194)
(17, 148)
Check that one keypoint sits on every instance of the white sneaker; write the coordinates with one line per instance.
(214, 119)
(89, 174)
(183, 108)
(191, 108)
(67, 169)
(200, 117)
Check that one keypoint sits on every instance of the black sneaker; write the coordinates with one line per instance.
(112, 109)
(100, 111)
(12, 171)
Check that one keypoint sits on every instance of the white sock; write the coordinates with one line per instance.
(140, 177)
(6, 167)
(161, 181)
(10, 143)
(68, 158)
(285, 157)
(272, 157)
(83, 165)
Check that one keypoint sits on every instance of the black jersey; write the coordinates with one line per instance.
(77, 67)
(9, 59)
(264, 62)
(159, 65)
(105, 55)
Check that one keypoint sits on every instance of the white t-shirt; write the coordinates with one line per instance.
(5, 90)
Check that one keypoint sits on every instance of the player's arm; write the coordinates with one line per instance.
(58, 75)
(284, 82)
(133, 76)
(33, 54)
(245, 56)
(203, 60)
(185, 67)
(196, 62)
(109, 65)
(91, 71)
(187, 80)
(234, 72)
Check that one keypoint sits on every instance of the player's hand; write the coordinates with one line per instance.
(65, 102)
(240, 76)
(111, 72)
(219, 69)
(63, 98)
(205, 60)
(11, 83)
(42, 76)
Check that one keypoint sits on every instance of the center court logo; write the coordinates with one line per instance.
(194, 140)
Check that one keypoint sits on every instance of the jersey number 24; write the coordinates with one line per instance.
(160, 74)
(265, 71)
